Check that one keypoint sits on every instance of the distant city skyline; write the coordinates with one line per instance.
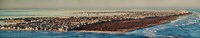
(97, 4)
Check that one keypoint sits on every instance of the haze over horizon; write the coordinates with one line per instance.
(97, 4)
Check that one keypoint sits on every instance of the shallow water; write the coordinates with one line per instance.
(49, 13)
(186, 26)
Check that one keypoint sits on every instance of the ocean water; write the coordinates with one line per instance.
(185, 26)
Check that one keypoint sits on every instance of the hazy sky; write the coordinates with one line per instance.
(21, 4)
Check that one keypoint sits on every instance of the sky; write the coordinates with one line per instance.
(28, 4)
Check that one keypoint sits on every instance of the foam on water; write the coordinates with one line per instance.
(177, 28)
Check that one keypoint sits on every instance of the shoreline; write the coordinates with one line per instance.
(123, 32)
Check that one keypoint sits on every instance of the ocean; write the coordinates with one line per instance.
(185, 26)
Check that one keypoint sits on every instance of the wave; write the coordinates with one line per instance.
(152, 31)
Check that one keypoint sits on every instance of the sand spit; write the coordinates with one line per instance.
(129, 20)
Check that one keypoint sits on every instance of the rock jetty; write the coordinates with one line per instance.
(130, 20)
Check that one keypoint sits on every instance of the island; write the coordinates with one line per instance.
(124, 22)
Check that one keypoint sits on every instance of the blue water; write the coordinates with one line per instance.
(184, 27)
